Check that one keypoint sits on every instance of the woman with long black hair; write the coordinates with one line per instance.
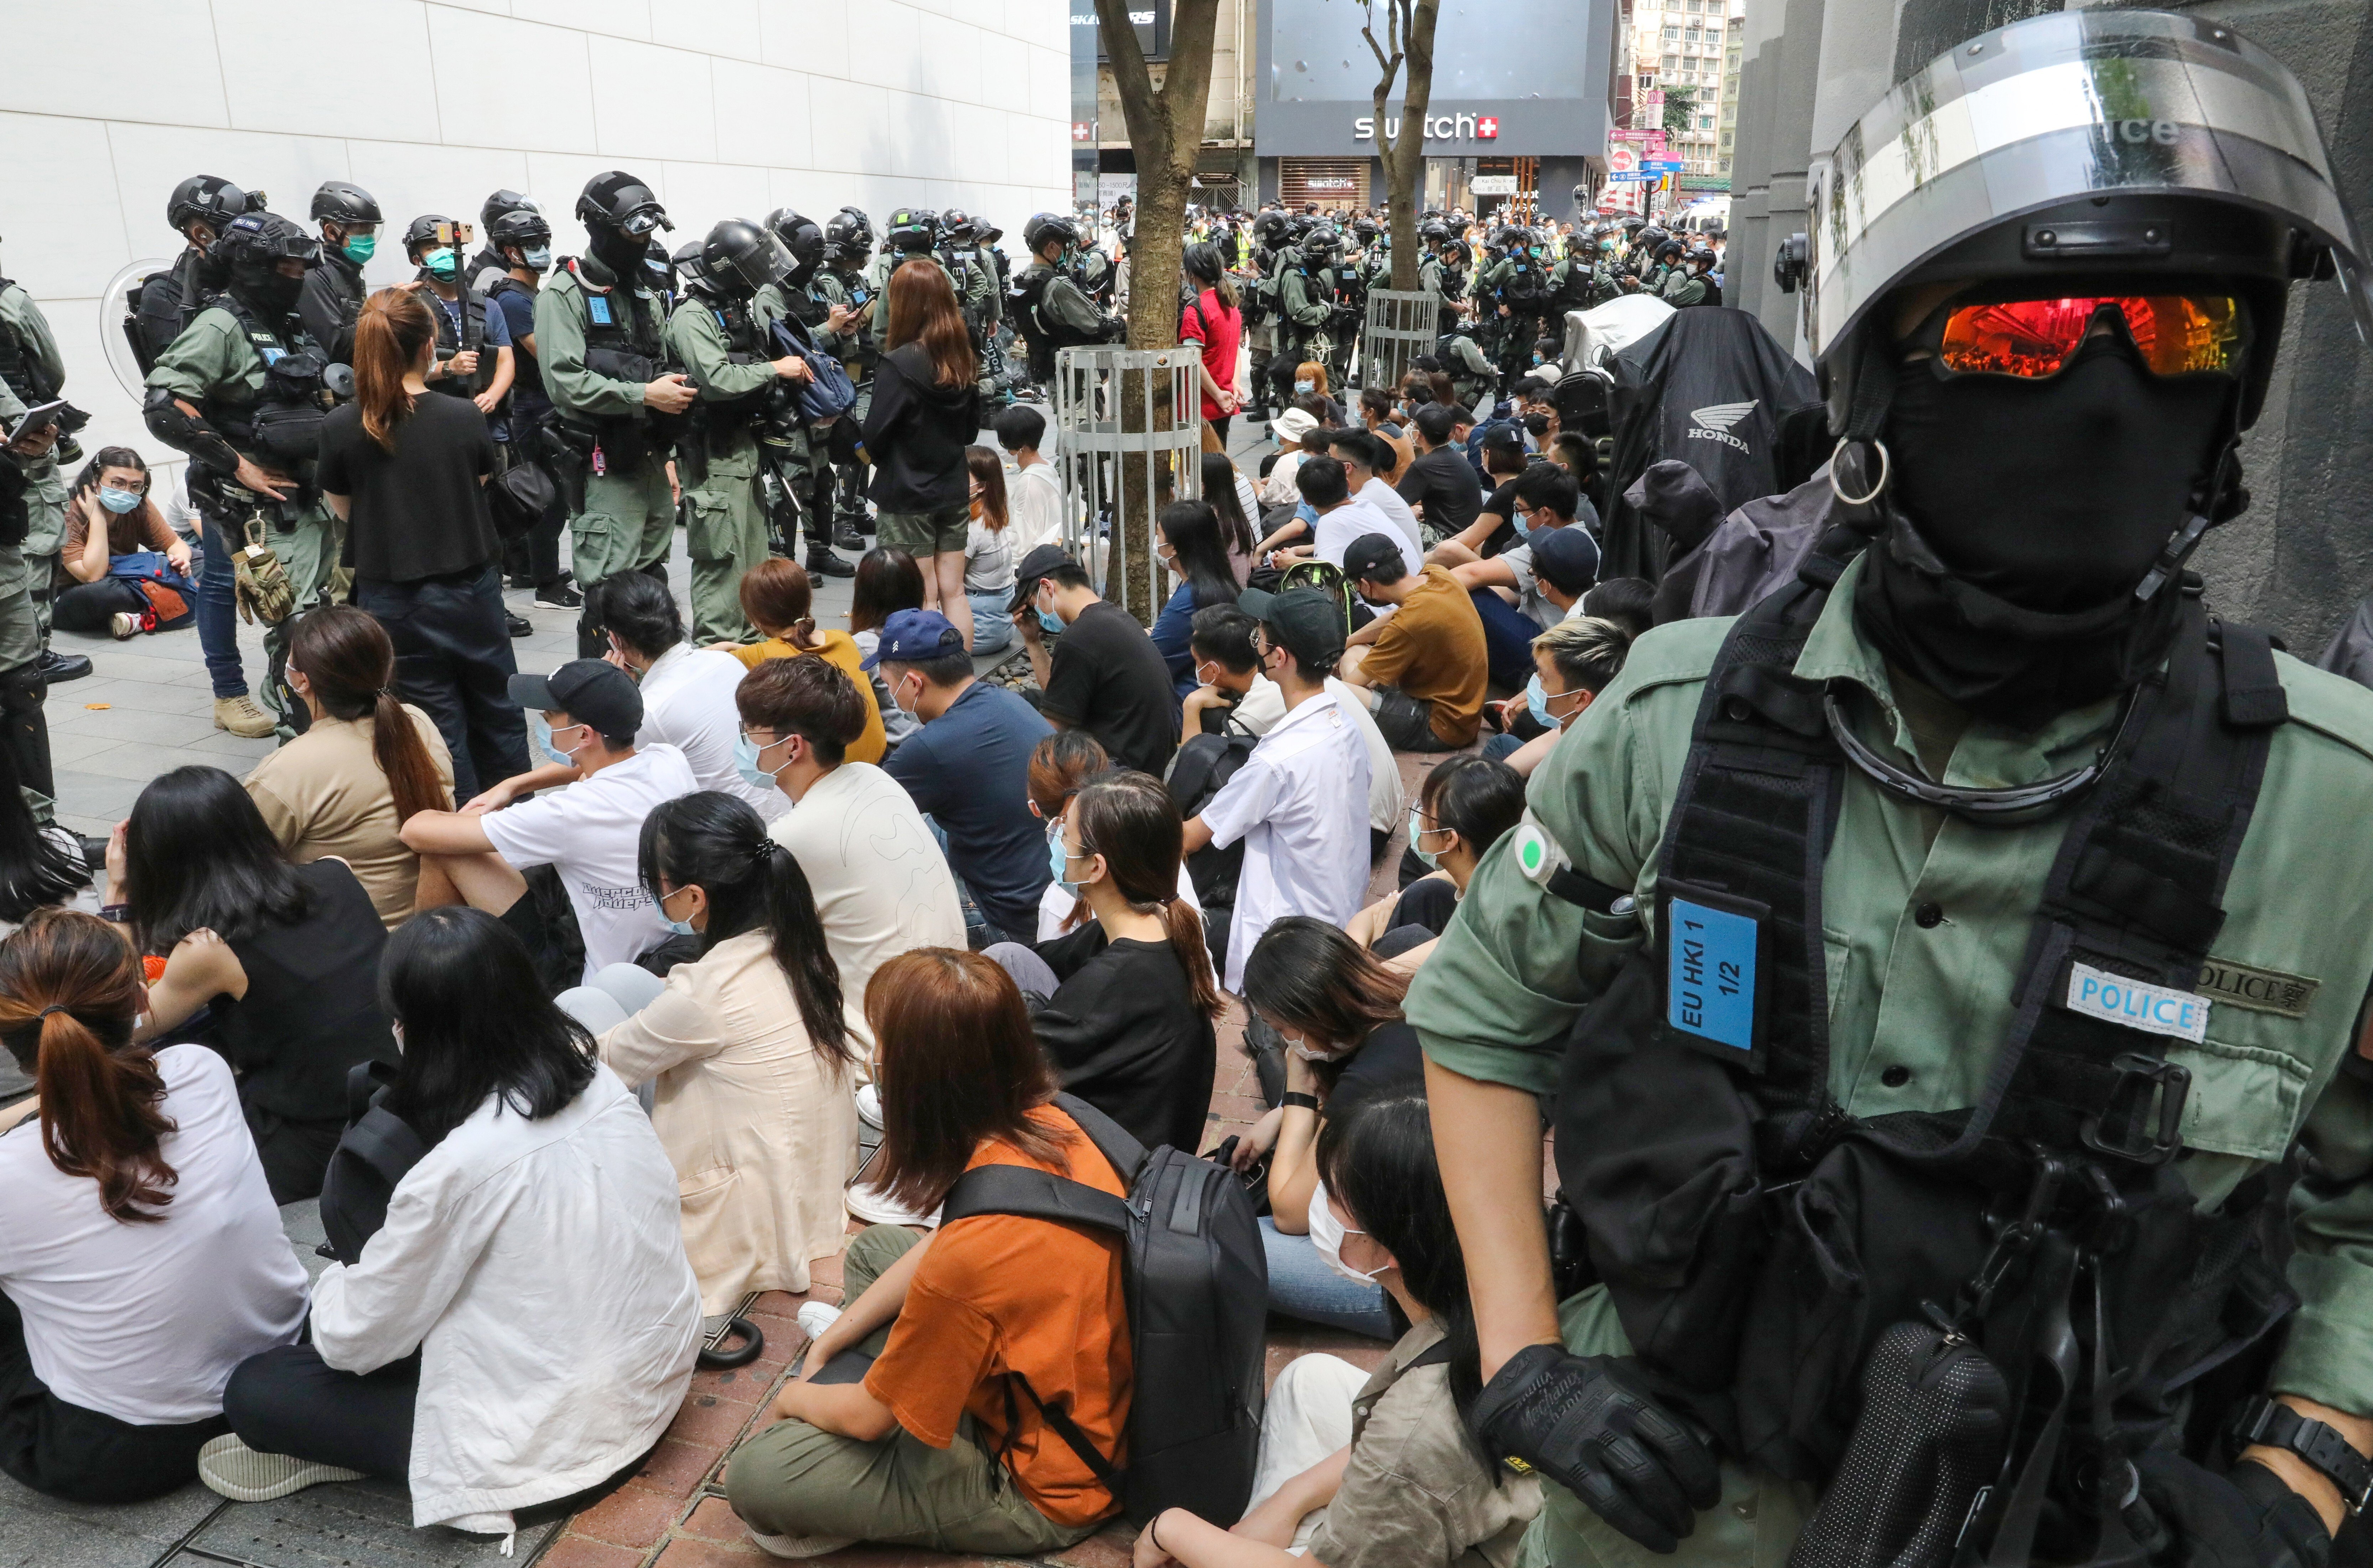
(112, 525)
(280, 957)
(523, 1324)
(1234, 503)
(746, 1048)
(1190, 544)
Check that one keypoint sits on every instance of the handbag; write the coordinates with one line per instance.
(143, 567)
(375, 1152)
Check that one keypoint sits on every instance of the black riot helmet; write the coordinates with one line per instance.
(739, 258)
(502, 202)
(960, 226)
(435, 231)
(1047, 227)
(1273, 229)
(802, 240)
(249, 252)
(1433, 231)
(847, 236)
(621, 218)
(687, 269)
(339, 201)
(521, 226)
(1318, 245)
(1670, 250)
(1364, 228)
(864, 223)
(912, 229)
(204, 198)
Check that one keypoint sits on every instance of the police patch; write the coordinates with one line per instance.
(2259, 990)
(2137, 1004)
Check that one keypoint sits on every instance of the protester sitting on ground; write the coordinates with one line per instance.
(1104, 674)
(532, 1259)
(1374, 1470)
(1546, 498)
(1234, 503)
(1463, 806)
(779, 599)
(1629, 602)
(1059, 765)
(1300, 802)
(1125, 1004)
(281, 957)
(932, 1448)
(1034, 495)
(1574, 452)
(112, 526)
(1573, 662)
(1421, 669)
(1338, 518)
(686, 692)
(1376, 409)
(880, 886)
(991, 547)
(1292, 429)
(1188, 542)
(1362, 456)
(887, 581)
(1235, 691)
(1495, 526)
(746, 1048)
(925, 410)
(585, 716)
(1439, 482)
(968, 767)
(1310, 381)
(141, 1257)
(365, 764)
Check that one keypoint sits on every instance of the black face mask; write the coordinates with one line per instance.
(621, 253)
(2044, 503)
(265, 290)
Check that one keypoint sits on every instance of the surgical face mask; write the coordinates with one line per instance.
(745, 762)
(681, 928)
(1327, 1233)
(119, 501)
(1302, 389)
(361, 248)
(443, 264)
(1536, 702)
(1048, 621)
(1060, 859)
(541, 730)
(539, 259)
(1419, 832)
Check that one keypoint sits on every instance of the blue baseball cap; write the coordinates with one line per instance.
(912, 636)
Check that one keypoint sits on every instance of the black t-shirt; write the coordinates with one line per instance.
(1503, 505)
(1110, 680)
(1444, 482)
(1124, 1035)
(1390, 1061)
(420, 511)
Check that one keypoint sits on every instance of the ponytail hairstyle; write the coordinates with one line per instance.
(1131, 819)
(346, 655)
(388, 335)
(69, 993)
(1201, 262)
(779, 599)
(988, 471)
(716, 842)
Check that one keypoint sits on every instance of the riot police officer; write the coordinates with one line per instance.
(1271, 230)
(333, 297)
(1306, 307)
(24, 729)
(1517, 285)
(523, 240)
(165, 303)
(35, 373)
(600, 330)
(800, 454)
(1938, 964)
(843, 281)
(488, 268)
(1581, 280)
(723, 334)
(242, 393)
(1050, 309)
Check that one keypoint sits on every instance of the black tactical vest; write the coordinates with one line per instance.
(18, 366)
(470, 335)
(624, 342)
(281, 425)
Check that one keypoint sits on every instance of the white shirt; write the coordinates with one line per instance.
(1387, 500)
(989, 554)
(1033, 498)
(1300, 804)
(144, 1322)
(1055, 906)
(1261, 707)
(1353, 519)
(589, 831)
(539, 1267)
(688, 704)
(881, 885)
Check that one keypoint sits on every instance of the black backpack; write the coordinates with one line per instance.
(1196, 1283)
(372, 1156)
(1197, 773)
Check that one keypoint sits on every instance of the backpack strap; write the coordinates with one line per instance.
(1112, 1477)
(1033, 1195)
(1434, 1354)
(1113, 1142)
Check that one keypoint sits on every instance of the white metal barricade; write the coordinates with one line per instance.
(1128, 440)
(1400, 326)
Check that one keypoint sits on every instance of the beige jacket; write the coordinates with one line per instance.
(760, 1129)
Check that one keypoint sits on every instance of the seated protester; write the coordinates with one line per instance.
(1495, 526)
(1059, 765)
(1376, 410)
(523, 1325)
(141, 1256)
(1374, 1470)
(779, 599)
(880, 884)
(1573, 660)
(1034, 493)
(1309, 383)
(1547, 497)
(1187, 540)
(687, 692)
(746, 1047)
(1235, 691)
(361, 768)
(112, 525)
(1362, 456)
(1629, 602)
(1337, 518)
(281, 957)
(991, 547)
(1574, 452)
(1300, 802)
(1338, 1008)
(1439, 482)
(1104, 674)
(1234, 503)
(1291, 428)
(1124, 1005)
(1463, 807)
(584, 716)
(968, 767)
(1554, 570)
(887, 581)
(1421, 669)
(936, 1447)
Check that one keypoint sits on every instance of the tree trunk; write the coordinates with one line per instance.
(1404, 157)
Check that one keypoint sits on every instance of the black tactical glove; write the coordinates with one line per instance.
(2247, 1519)
(1585, 1423)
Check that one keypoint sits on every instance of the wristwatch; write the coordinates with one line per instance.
(2333, 1457)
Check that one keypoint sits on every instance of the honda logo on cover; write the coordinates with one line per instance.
(1713, 422)
(1438, 128)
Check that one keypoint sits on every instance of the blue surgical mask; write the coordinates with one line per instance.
(1418, 831)
(1536, 702)
(1302, 389)
(1058, 861)
(442, 263)
(119, 501)
(1050, 623)
(680, 928)
(539, 259)
(745, 763)
(542, 731)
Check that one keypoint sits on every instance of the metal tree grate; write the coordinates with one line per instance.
(1401, 325)
(1128, 440)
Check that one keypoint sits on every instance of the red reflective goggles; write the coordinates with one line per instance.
(2177, 334)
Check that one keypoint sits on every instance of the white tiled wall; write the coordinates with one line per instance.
(727, 107)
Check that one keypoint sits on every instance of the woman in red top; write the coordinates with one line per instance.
(1213, 324)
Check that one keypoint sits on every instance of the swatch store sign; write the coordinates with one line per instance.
(1446, 127)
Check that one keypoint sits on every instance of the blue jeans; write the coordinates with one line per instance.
(1500, 748)
(993, 624)
(1301, 1285)
(219, 610)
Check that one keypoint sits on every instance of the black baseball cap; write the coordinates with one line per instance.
(1566, 559)
(1374, 557)
(1305, 622)
(1037, 563)
(589, 691)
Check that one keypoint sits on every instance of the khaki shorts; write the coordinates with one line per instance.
(923, 535)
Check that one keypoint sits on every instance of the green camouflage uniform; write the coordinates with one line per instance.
(45, 493)
(20, 635)
(725, 531)
(856, 349)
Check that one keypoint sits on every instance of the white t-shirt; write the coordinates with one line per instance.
(1300, 802)
(688, 704)
(881, 885)
(144, 1322)
(1033, 498)
(1354, 519)
(1387, 500)
(1263, 706)
(589, 831)
(989, 554)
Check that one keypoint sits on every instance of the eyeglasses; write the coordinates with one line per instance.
(2177, 334)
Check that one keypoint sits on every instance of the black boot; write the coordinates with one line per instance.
(845, 537)
(55, 666)
(822, 562)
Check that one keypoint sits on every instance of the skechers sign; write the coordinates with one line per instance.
(2137, 1004)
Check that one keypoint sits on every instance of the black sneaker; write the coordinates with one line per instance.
(519, 580)
(824, 563)
(517, 625)
(55, 666)
(558, 595)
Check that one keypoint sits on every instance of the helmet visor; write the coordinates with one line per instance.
(641, 221)
(2177, 334)
(762, 264)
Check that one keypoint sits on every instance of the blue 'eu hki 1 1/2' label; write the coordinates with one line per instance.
(1709, 981)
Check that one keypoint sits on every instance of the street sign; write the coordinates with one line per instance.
(1495, 185)
(1632, 176)
(1623, 160)
(1665, 165)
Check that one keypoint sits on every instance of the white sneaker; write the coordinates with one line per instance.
(230, 1469)
(815, 1316)
(871, 1204)
(124, 626)
(799, 1546)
